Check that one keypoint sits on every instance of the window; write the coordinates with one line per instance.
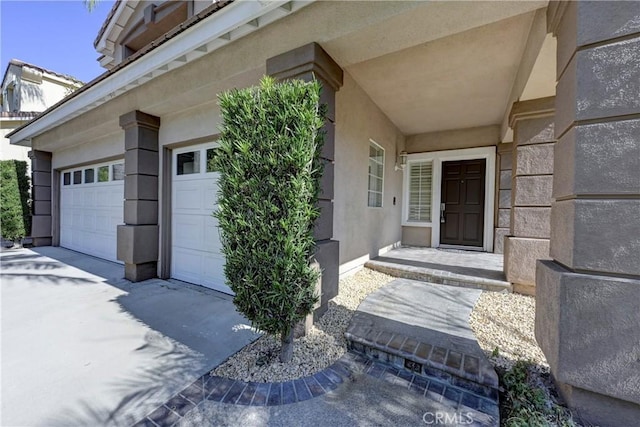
(77, 177)
(189, 163)
(376, 175)
(117, 171)
(210, 153)
(66, 178)
(88, 176)
(420, 188)
(103, 174)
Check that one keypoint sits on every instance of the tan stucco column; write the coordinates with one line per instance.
(138, 238)
(310, 62)
(588, 296)
(503, 187)
(41, 224)
(531, 184)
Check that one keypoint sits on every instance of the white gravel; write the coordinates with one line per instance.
(503, 324)
(324, 344)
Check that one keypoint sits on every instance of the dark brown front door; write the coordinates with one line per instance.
(462, 222)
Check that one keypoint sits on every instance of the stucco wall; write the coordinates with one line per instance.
(8, 151)
(40, 96)
(454, 139)
(416, 236)
(362, 230)
(106, 148)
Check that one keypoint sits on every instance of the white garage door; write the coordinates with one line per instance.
(195, 240)
(91, 207)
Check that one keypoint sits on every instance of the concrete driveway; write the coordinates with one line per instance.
(82, 346)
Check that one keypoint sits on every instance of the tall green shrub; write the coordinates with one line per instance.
(269, 164)
(15, 215)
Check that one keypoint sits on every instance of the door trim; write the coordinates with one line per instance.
(438, 157)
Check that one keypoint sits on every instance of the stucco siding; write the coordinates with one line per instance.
(483, 136)
(416, 236)
(8, 151)
(362, 230)
(106, 148)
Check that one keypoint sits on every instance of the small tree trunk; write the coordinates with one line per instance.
(286, 350)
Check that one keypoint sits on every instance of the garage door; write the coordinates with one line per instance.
(91, 207)
(195, 240)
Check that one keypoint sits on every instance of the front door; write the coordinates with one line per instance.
(462, 197)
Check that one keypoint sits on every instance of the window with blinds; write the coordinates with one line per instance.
(420, 186)
(376, 175)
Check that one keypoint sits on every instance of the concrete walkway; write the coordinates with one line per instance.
(82, 346)
(470, 269)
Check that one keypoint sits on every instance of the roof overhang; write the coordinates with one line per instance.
(225, 26)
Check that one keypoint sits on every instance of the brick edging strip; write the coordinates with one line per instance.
(235, 392)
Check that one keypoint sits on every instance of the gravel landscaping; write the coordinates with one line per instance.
(324, 344)
(503, 324)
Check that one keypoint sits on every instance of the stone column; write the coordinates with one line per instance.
(588, 296)
(138, 238)
(41, 230)
(503, 210)
(310, 62)
(532, 178)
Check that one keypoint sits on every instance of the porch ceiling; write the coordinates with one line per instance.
(460, 81)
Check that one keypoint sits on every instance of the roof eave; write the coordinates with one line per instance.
(187, 45)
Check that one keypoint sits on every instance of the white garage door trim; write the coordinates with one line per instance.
(91, 208)
(196, 253)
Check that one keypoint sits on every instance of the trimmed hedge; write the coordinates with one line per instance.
(270, 168)
(15, 214)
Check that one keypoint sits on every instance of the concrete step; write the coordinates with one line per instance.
(423, 329)
(438, 276)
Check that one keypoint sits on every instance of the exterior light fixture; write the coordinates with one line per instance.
(401, 161)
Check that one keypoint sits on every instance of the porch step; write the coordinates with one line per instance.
(442, 276)
(423, 329)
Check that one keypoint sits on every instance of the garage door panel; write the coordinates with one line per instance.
(212, 236)
(196, 248)
(187, 231)
(89, 221)
(90, 214)
(187, 197)
(104, 223)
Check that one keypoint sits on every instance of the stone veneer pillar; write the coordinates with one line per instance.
(310, 62)
(41, 225)
(503, 212)
(588, 296)
(138, 238)
(532, 180)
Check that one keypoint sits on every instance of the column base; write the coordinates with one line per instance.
(140, 272)
(598, 409)
(520, 256)
(585, 325)
(41, 241)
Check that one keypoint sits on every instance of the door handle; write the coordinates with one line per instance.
(442, 208)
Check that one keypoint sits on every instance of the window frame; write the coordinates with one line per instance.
(202, 161)
(369, 190)
(406, 213)
(96, 168)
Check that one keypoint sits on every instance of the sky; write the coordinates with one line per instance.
(52, 34)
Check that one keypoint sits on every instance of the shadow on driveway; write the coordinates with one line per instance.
(83, 346)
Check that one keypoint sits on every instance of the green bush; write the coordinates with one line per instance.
(269, 164)
(528, 403)
(15, 216)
